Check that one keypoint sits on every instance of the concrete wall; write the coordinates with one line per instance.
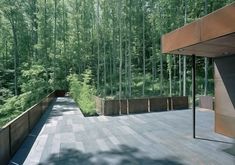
(225, 95)
(98, 105)
(206, 102)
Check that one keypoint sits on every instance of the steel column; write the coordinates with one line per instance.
(194, 94)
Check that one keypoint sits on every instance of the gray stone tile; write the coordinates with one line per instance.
(64, 135)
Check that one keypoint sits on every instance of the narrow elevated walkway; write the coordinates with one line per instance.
(64, 136)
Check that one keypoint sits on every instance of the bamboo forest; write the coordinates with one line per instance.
(106, 48)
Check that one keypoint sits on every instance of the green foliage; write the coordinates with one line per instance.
(34, 81)
(56, 37)
(83, 92)
(34, 87)
(74, 86)
(4, 95)
(14, 106)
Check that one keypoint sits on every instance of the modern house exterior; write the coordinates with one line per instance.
(211, 36)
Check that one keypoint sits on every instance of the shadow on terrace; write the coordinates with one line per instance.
(125, 155)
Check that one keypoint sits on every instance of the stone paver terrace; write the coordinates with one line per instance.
(64, 136)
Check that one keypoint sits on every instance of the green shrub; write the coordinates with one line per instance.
(82, 92)
(34, 80)
(34, 87)
(13, 107)
(4, 95)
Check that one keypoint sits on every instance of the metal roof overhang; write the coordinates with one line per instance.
(210, 36)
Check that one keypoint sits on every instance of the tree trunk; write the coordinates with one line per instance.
(16, 55)
(180, 76)
(113, 52)
(45, 29)
(129, 51)
(105, 81)
(55, 38)
(98, 46)
(184, 76)
(174, 76)
(120, 54)
(6, 53)
(34, 27)
(126, 58)
(184, 57)
(206, 61)
(169, 65)
(161, 59)
(110, 72)
(143, 24)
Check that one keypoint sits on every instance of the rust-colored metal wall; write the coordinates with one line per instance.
(179, 102)
(141, 105)
(13, 134)
(34, 115)
(225, 95)
(210, 36)
(159, 104)
(138, 105)
(19, 130)
(111, 107)
(4, 145)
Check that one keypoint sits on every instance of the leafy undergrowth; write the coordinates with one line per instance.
(82, 91)
(13, 107)
(33, 88)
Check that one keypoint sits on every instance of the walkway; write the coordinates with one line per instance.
(64, 136)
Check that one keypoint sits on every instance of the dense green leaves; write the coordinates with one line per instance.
(43, 41)
(14, 106)
(35, 80)
(83, 91)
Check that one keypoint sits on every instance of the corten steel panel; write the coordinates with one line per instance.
(225, 95)
(216, 36)
(4, 146)
(138, 105)
(206, 102)
(50, 99)
(226, 41)
(34, 115)
(182, 37)
(223, 102)
(60, 93)
(225, 125)
(179, 102)
(222, 46)
(212, 50)
(191, 50)
(19, 129)
(124, 106)
(52, 95)
(44, 104)
(218, 23)
(158, 104)
(111, 107)
(224, 85)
